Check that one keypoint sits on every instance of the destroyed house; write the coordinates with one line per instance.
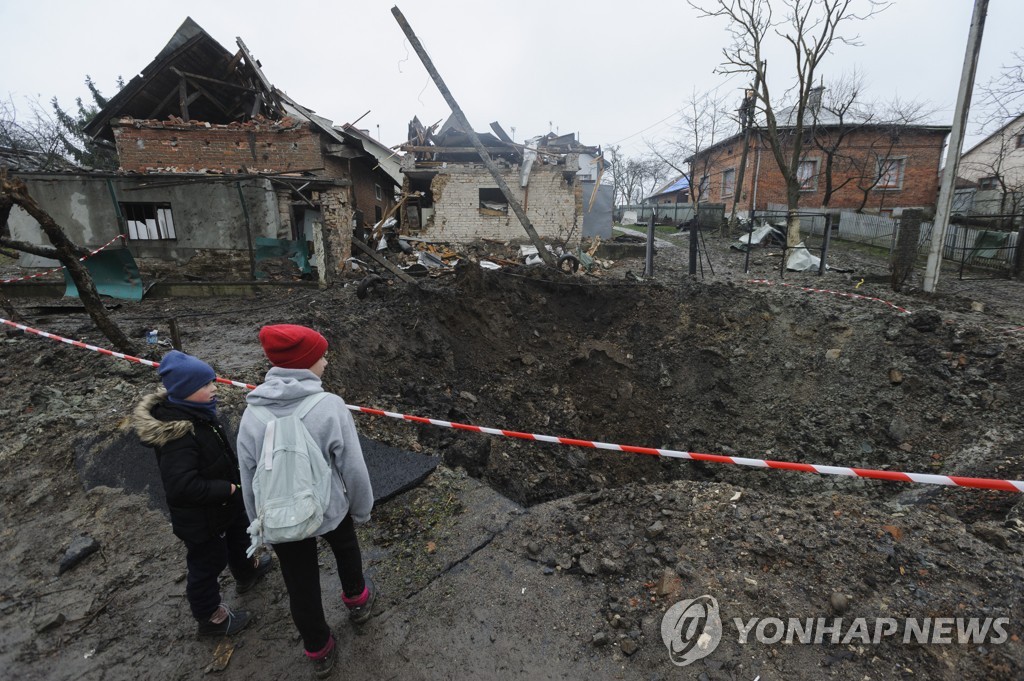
(215, 163)
(449, 195)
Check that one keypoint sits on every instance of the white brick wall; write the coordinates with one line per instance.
(550, 203)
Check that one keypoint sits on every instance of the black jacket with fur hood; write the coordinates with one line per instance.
(197, 466)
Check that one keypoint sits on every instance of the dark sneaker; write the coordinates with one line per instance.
(263, 565)
(323, 661)
(358, 614)
(234, 622)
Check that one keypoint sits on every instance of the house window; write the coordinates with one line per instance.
(728, 182)
(148, 221)
(378, 192)
(988, 183)
(705, 183)
(493, 202)
(807, 175)
(890, 173)
(1020, 140)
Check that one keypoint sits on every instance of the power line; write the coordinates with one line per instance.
(674, 113)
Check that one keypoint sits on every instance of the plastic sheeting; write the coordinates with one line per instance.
(801, 260)
(115, 274)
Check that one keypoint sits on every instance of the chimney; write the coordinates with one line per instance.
(814, 99)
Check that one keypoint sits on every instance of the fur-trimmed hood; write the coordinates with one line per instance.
(151, 430)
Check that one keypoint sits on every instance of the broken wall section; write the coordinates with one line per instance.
(256, 146)
(459, 190)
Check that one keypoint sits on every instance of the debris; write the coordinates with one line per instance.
(49, 622)
(759, 235)
(81, 548)
(221, 657)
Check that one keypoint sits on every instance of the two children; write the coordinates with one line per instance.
(209, 489)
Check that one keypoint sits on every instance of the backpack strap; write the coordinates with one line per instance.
(262, 413)
(308, 403)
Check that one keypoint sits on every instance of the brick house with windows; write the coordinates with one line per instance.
(856, 166)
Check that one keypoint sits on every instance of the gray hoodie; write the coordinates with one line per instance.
(332, 427)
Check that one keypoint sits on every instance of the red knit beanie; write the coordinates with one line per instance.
(290, 346)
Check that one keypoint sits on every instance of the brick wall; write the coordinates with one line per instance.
(180, 147)
(919, 149)
(549, 200)
(365, 182)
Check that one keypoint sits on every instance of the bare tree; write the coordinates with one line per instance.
(1001, 163)
(34, 139)
(704, 120)
(13, 192)
(810, 28)
(635, 178)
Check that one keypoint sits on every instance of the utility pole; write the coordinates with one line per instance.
(546, 256)
(956, 142)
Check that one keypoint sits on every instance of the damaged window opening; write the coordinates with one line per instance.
(493, 202)
(378, 192)
(148, 221)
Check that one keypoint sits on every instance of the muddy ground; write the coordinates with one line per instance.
(531, 560)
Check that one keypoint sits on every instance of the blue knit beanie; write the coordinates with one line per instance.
(184, 374)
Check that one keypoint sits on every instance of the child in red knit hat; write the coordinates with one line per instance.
(298, 354)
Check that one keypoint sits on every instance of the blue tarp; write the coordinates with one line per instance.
(115, 274)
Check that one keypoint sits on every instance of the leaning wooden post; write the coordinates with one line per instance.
(548, 257)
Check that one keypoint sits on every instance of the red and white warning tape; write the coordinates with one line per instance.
(856, 296)
(104, 351)
(895, 476)
(58, 269)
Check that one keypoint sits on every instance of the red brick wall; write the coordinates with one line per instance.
(921, 150)
(151, 145)
(364, 180)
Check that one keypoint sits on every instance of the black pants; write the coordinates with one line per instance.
(301, 572)
(206, 560)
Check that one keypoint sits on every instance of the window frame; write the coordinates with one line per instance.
(810, 183)
(378, 192)
(495, 196)
(898, 186)
(159, 226)
(988, 183)
(728, 174)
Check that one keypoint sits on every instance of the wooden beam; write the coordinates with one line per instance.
(207, 79)
(372, 254)
(500, 132)
(457, 150)
(163, 103)
(203, 91)
(183, 99)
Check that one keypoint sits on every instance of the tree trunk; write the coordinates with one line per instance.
(14, 191)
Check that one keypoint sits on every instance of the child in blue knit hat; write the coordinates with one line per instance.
(200, 474)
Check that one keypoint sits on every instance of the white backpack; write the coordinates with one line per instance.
(292, 481)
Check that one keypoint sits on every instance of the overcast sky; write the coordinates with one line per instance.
(613, 71)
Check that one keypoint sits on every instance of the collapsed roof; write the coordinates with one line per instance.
(195, 78)
(451, 143)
